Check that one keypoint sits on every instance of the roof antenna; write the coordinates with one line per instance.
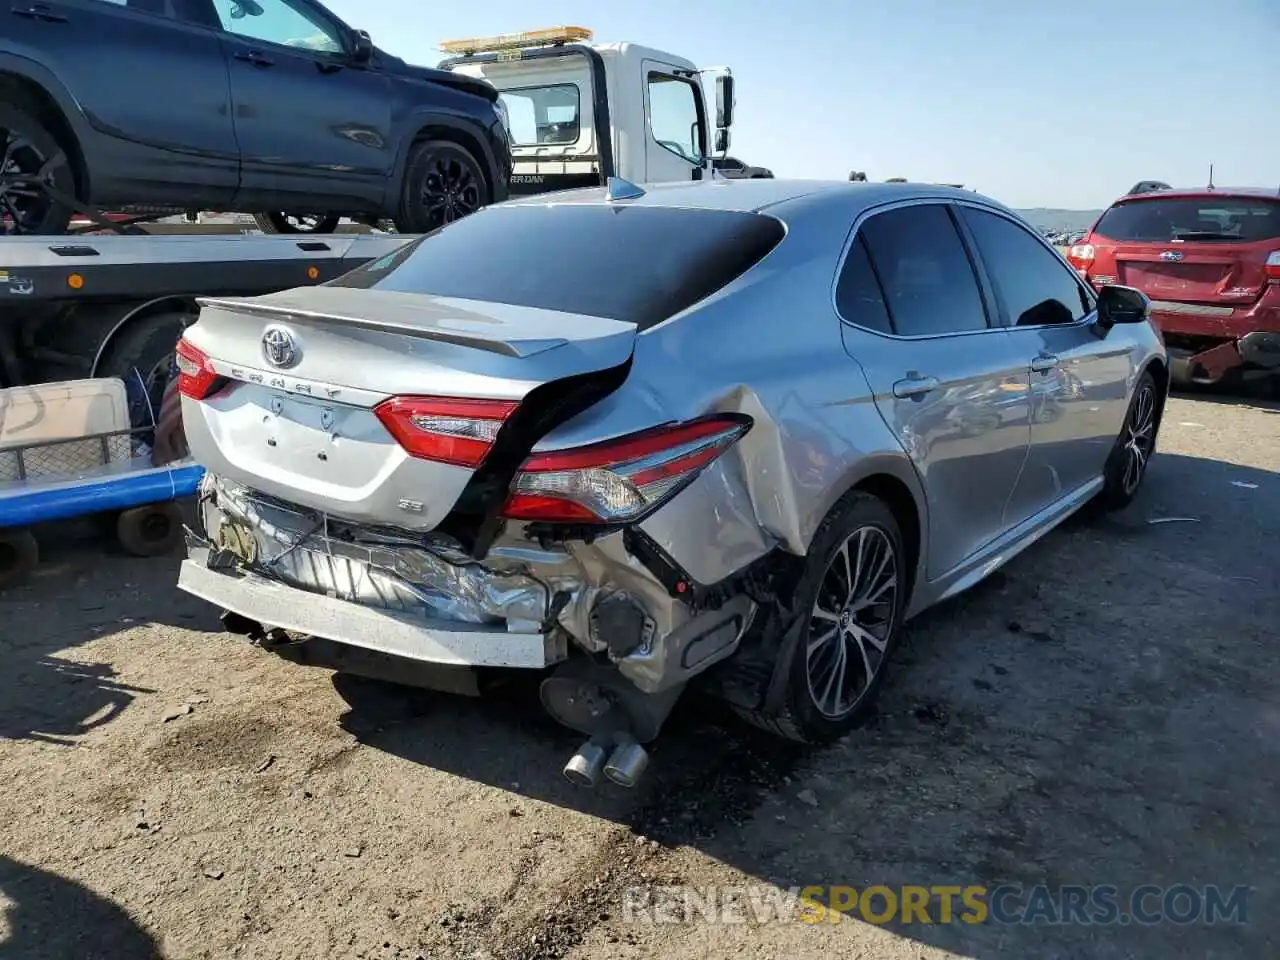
(1211, 176)
(618, 189)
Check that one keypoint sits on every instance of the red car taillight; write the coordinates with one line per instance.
(619, 480)
(196, 377)
(445, 429)
(1273, 267)
(1081, 256)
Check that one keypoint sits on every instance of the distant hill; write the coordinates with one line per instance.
(1065, 221)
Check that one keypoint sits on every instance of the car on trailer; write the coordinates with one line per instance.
(270, 107)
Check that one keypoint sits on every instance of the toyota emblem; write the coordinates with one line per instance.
(1173, 256)
(279, 347)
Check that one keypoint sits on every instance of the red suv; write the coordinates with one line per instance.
(1209, 259)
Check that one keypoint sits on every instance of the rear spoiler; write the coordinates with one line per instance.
(390, 323)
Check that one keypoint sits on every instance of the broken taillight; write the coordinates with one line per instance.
(445, 429)
(1273, 267)
(619, 480)
(197, 378)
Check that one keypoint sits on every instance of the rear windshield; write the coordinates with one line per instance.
(638, 264)
(1199, 219)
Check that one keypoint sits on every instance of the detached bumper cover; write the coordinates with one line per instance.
(384, 631)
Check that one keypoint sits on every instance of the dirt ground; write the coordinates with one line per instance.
(1106, 710)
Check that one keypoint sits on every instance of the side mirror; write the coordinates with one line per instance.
(724, 101)
(1117, 304)
(722, 141)
(361, 47)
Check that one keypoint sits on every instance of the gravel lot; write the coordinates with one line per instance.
(1104, 711)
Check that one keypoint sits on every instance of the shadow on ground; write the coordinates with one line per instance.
(50, 917)
(77, 594)
(1104, 711)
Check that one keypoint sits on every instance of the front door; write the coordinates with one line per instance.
(946, 378)
(153, 88)
(675, 146)
(314, 130)
(1078, 378)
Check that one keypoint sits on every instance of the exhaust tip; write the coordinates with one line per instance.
(627, 764)
(583, 768)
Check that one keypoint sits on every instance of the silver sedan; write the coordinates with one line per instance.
(723, 436)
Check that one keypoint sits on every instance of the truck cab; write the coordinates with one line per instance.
(578, 112)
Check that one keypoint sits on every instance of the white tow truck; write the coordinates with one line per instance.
(579, 112)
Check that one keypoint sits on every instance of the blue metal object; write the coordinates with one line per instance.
(121, 486)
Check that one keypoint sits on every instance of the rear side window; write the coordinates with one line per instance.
(859, 299)
(1200, 219)
(1035, 287)
(928, 281)
(637, 264)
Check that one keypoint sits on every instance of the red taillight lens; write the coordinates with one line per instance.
(445, 429)
(619, 480)
(1081, 256)
(1273, 267)
(196, 377)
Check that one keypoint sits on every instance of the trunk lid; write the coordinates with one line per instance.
(300, 424)
(1185, 272)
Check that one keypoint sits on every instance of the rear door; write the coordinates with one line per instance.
(312, 127)
(152, 86)
(1078, 378)
(675, 148)
(1209, 251)
(946, 379)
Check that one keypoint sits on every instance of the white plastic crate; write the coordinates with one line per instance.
(32, 418)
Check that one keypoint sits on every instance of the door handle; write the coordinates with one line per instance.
(1044, 363)
(914, 387)
(256, 58)
(38, 11)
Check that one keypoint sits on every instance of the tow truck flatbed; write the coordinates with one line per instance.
(82, 268)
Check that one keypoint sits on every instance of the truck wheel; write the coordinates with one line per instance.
(19, 554)
(295, 223)
(150, 531)
(145, 345)
(27, 148)
(443, 182)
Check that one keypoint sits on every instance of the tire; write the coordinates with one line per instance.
(803, 716)
(29, 146)
(1133, 447)
(145, 345)
(443, 182)
(295, 223)
(150, 531)
(19, 555)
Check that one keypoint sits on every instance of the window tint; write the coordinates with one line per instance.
(543, 115)
(673, 117)
(859, 299)
(1034, 287)
(278, 21)
(579, 258)
(1209, 220)
(925, 272)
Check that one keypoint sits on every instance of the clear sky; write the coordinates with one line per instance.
(1055, 103)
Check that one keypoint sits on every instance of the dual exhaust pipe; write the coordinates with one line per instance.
(621, 760)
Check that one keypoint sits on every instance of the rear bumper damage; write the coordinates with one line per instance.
(622, 647)
(1206, 342)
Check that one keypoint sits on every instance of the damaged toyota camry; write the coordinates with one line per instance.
(721, 437)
